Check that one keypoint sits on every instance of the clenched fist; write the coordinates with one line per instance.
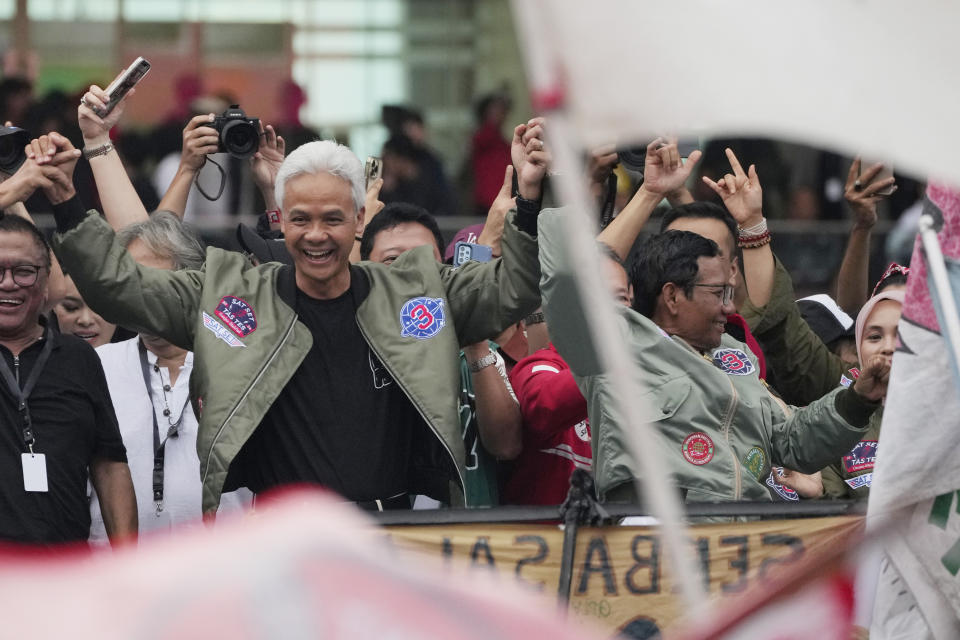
(872, 383)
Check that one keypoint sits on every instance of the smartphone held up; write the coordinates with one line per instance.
(122, 84)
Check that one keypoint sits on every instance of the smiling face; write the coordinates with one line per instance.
(701, 317)
(320, 223)
(20, 306)
(880, 331)
(75, 317)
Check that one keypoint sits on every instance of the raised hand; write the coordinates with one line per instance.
(492, 231)
(59, 159)
(372, 204)
(741, 192)
(21, 185)
(199, 140)
(874, 377)
(266, 162)
(862, 192)
(530, 158)
(663, 171)
(600, 164)
(96, 130)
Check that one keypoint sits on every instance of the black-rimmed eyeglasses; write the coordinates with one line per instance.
(726, 297)
(24, 275)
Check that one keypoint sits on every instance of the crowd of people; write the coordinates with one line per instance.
(151, 382)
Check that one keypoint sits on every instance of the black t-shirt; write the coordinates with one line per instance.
(73, 424)
(340, 422)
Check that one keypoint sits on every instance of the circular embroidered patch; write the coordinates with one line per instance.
(421, 318)
(697, 448)
(733, 361)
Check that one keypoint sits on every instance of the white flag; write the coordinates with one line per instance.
(870, 76)
(917, 474)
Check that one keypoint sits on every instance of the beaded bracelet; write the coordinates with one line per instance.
(754, 242)
(756, 230)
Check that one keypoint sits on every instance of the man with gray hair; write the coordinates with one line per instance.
(322, 373)
(149, 381)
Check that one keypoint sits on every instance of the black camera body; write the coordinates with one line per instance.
(12, 142)
(635, 158)
(239, 135)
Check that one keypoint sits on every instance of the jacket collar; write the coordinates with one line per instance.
(287, 285)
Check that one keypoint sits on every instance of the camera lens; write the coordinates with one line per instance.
(12, 142)
(633, 158)
(240, 138)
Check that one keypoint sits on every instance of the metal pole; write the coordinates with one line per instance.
(938, 273)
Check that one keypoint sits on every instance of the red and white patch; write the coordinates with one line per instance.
(237, 314)
(697, 448)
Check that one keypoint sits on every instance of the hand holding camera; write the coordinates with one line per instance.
(266, 163)
(199, 139)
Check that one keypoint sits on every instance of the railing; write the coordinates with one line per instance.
(516, 514)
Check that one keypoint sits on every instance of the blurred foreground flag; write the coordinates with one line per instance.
(304, 566)
(823, 73)
(914, 500)
(814, 599)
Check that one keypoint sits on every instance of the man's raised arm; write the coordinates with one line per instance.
(156, 301)
(509, 284)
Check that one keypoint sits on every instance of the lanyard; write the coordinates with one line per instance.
(23, 394)
(172, 432)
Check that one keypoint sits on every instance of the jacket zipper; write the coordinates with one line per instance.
(726, 434)
(266, 366)
(16, 368)
(443, 442)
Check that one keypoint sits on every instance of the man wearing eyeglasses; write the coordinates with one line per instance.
(721, 429)
(57, 424)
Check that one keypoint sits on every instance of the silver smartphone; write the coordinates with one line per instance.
(122, 84)
(373, 170)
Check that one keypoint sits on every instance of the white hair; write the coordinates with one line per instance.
(166, 236)
(322, 156)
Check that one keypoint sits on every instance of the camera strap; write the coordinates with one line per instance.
(609, 200)
(223, 179)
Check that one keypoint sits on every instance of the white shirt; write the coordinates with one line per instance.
(181, 465)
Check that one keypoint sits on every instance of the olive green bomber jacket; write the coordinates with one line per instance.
(720, 428)
(804, 369)
(238, 374)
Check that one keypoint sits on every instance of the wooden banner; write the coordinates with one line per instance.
(620, 577)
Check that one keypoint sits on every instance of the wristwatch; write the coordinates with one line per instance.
(483, 362)
(534, 318)
(102, 150)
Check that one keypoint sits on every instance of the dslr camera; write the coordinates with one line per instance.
(239, 135)
(12, 142)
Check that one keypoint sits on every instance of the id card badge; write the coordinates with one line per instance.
(34, 472)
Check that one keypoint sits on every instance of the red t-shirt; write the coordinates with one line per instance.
(556, 434)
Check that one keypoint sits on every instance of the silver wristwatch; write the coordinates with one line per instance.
(102, 150)
(483, 362)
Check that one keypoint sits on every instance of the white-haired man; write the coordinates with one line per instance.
(322, 373)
